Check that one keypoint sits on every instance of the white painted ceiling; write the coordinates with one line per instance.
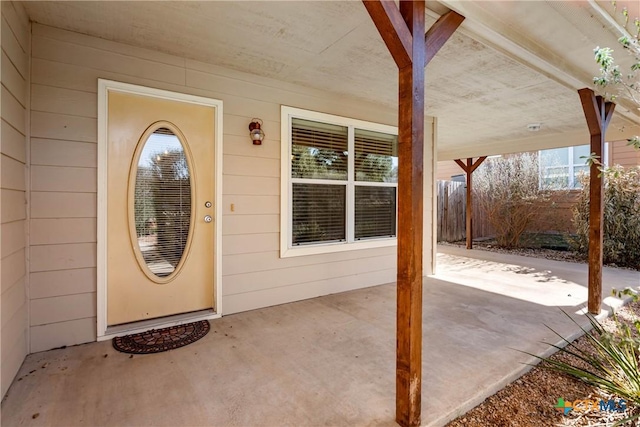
(510, 64)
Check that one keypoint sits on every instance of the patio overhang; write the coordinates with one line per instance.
(488, 82)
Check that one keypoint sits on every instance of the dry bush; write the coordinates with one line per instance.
(621, 217)
(509, 193)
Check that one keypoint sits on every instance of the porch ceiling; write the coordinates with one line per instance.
(511, 63)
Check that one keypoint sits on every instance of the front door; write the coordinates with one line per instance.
(160, 213)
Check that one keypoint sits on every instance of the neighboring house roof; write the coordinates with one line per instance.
(510, 64)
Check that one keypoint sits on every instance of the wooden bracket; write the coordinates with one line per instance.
(393, 29)
(440, 32)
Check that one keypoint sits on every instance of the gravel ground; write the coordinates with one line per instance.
(530, 401)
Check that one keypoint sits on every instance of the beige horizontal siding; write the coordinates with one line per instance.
(251, 166)
(265, 261)
(63, 205)
(251, 185)
(50, 99)
(52, 152)
(284, 294)
(250, 224)
(14, 345)
(101, 59)
(65, 69)
(446, 169)
(13, 81)
(63, 179)
(47, 284)
(255, 205)
(13, 269)
(250, 243)
(62, 257)
(12, 174)
(13, 142)
(251, 282)
(63, 308)
(13, 300)
(62, 230)
(63, 126)
(14, 205)
(46, 337)
(14, 74)
(11, 45)
(13, 237)
(13, 112)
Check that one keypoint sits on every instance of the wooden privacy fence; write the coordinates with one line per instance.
(452, 215)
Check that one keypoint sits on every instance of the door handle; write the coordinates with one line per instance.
(207, 218)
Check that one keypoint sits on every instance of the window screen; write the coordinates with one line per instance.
(375, 214)
(318, 213)
(319, 150)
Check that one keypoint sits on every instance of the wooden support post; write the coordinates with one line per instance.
(468, 169)
(403, 31)
(410, 220)
(598, 114)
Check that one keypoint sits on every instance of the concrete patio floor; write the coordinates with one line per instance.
(325, 361)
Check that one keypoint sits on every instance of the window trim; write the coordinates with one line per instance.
(570, 165)
(286, 208)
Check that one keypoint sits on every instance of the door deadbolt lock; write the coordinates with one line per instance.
(207, 204)
(207, 218)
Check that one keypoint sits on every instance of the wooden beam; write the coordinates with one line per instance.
(402, 31)
(469, 168)
(598, 114)
(393, 29)
(440, 32)
(410, 222)
(461, 164)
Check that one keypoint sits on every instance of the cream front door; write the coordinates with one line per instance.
(160, 213)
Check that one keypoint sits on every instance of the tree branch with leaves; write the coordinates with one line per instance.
(616, 81)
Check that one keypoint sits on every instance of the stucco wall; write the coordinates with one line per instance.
(15, 41)
(65, 69)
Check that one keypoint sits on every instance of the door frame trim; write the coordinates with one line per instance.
(104, 87)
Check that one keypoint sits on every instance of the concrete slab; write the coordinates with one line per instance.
(325, 361)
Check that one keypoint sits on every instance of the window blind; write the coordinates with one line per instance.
(318, 213)
(376, 156)
(162, 202)
(375, 212)
(319, 150)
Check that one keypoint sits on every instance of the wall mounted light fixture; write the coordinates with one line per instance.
(255, 131)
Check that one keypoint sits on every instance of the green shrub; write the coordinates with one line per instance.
(621, 217)
(609, 361)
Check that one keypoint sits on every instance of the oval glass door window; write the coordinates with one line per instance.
(162, 203)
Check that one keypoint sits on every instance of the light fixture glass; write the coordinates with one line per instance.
(255, 131)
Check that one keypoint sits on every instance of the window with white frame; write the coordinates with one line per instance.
(560, 168)
(340, 179)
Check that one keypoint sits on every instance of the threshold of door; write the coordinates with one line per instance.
(161, 322)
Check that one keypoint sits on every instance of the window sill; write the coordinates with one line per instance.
(286, 252)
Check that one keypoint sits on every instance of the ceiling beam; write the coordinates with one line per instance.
(393, 29)
(440, 32)
(535, 142)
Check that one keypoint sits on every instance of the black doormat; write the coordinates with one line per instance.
(159, 340)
